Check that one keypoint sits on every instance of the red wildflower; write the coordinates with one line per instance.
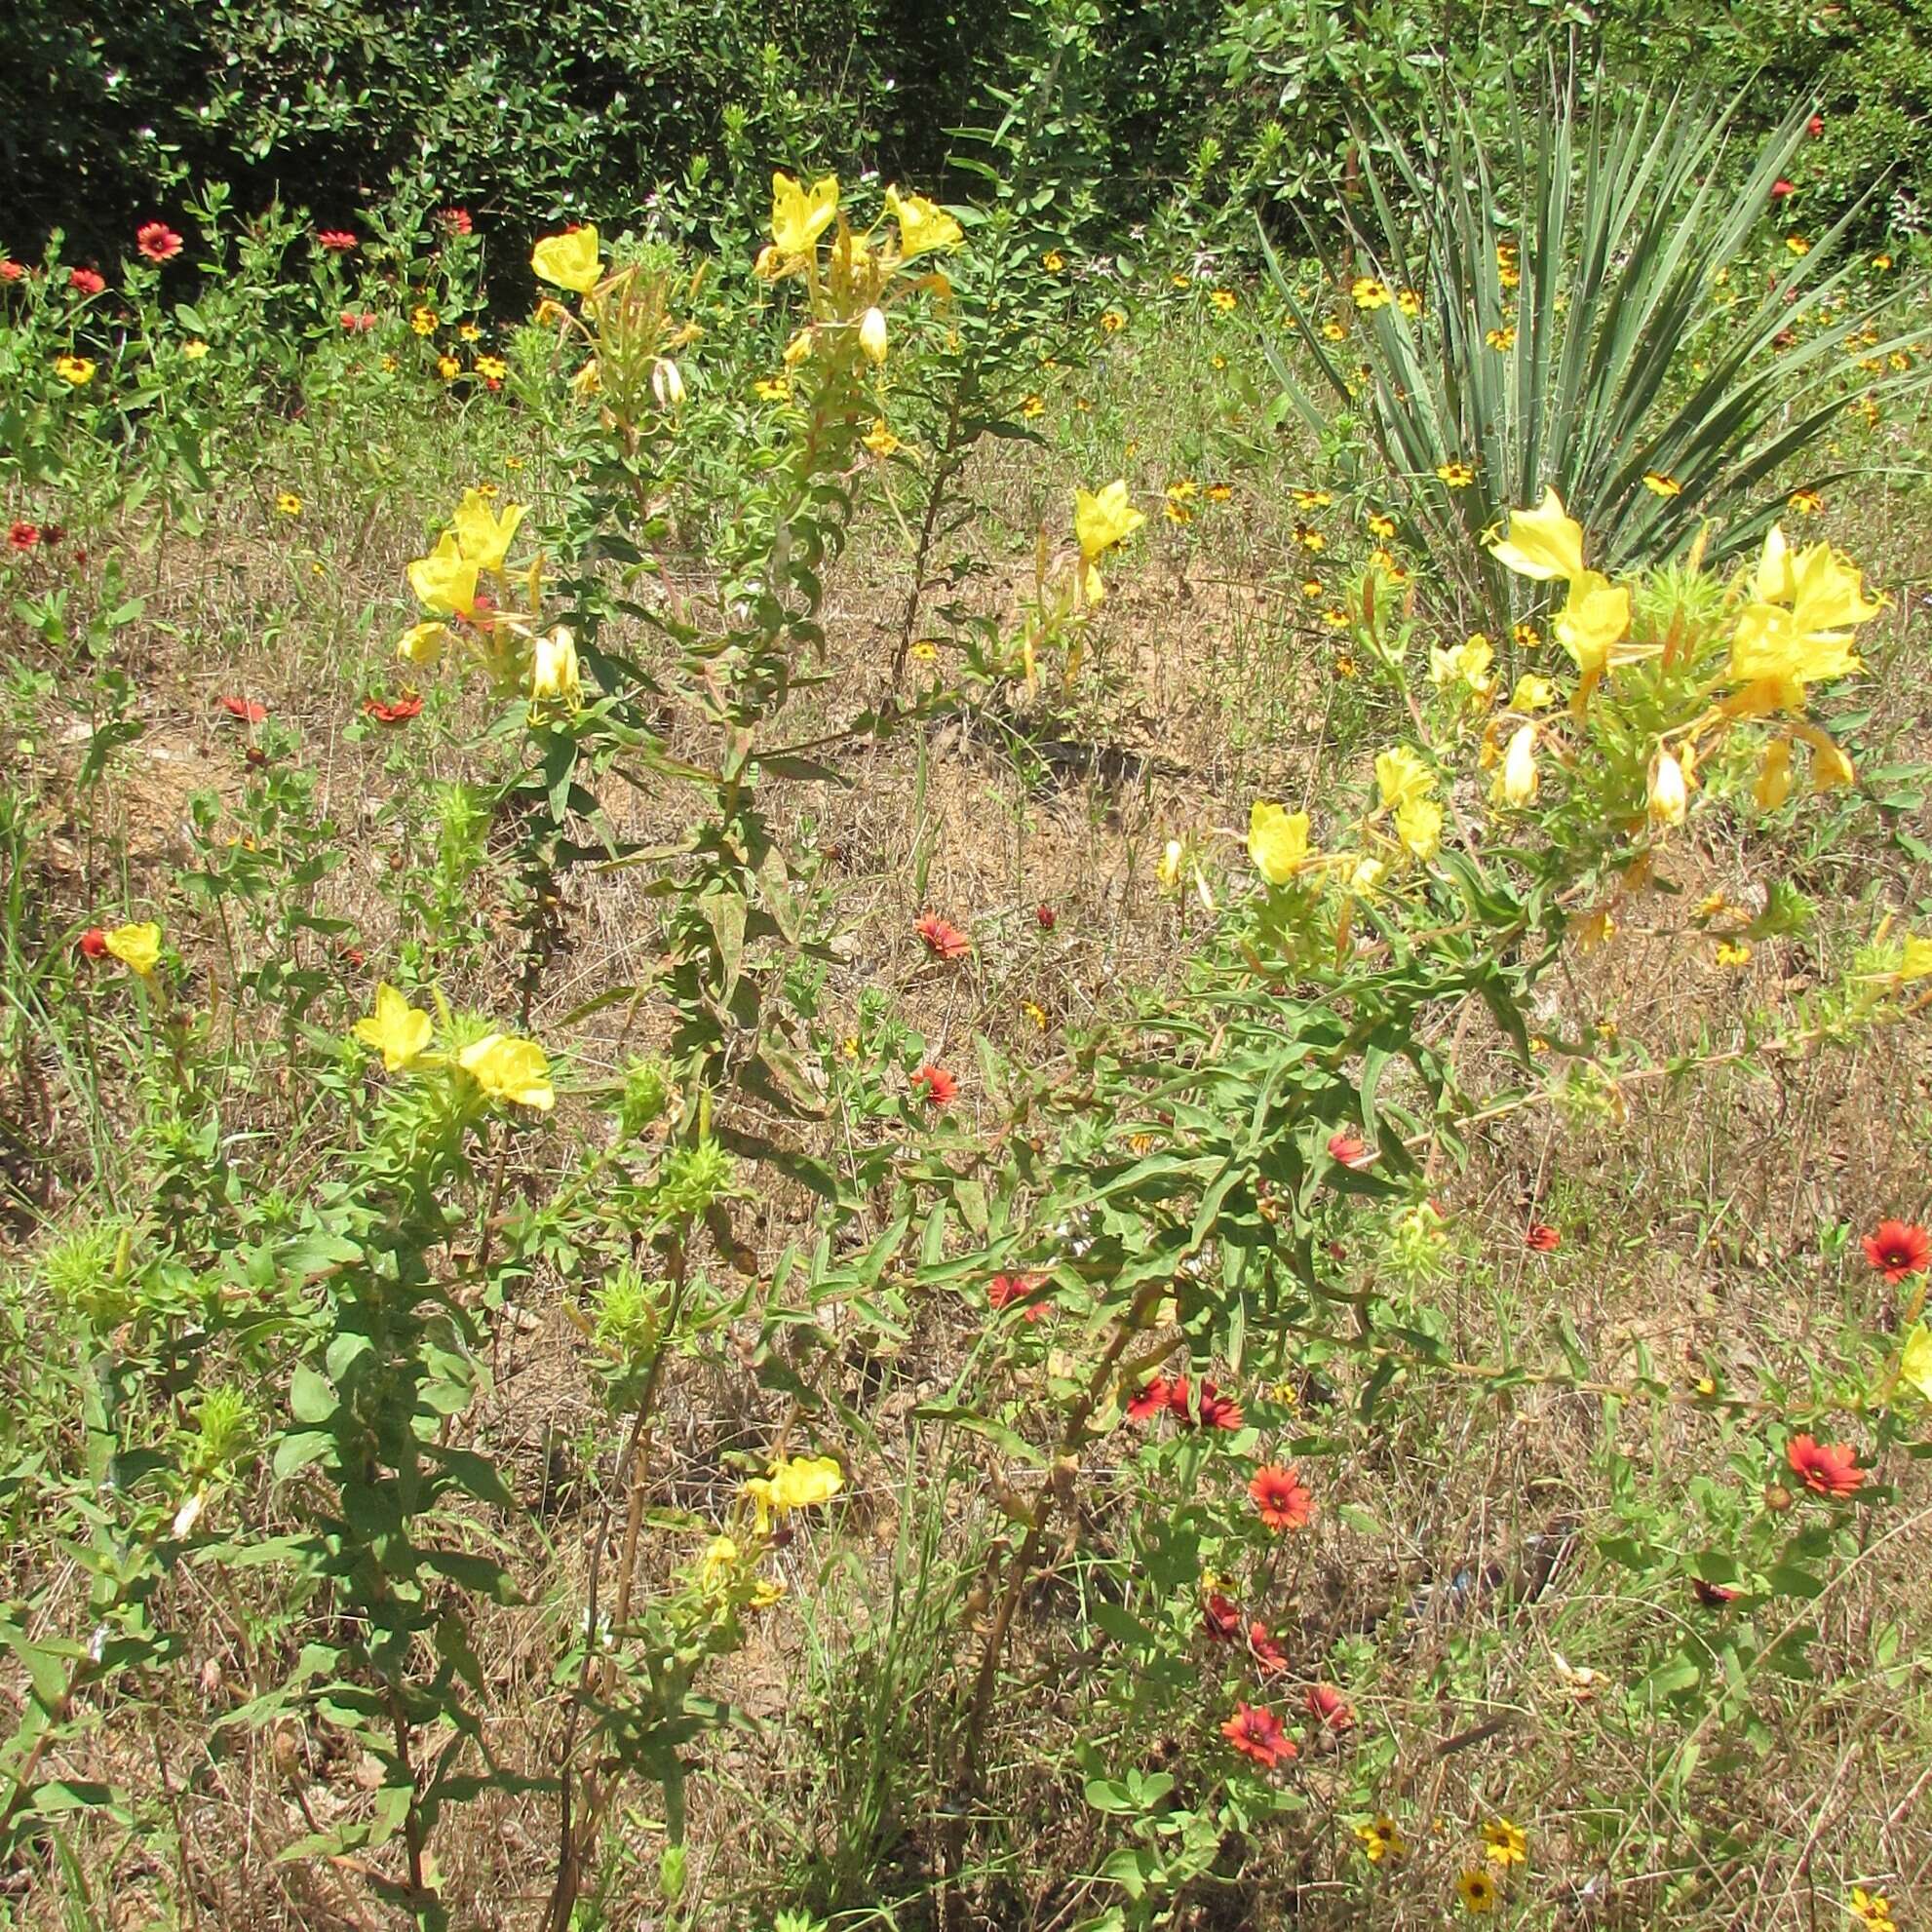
(1218, 1411)
(944, 940)
(23, 536)
(1256, 1733)
(1830, 1469)
(1713, 1596)
(94, 943)
(1270, 1659)
(10, 270)
(1349, 1150)
(1329, 1708)
(1045, 916)
(1152, 1399)
(392, 711)
(1542, 1238)
(1780, 189)
(358, 323)
(457, 220)
(84, 281)
(1279, 1495)
(1898, 1249)
(353, 955)
(337, 240)
(1220, 1619)
(937, 1085)
(157, 241)
(250, 711)
(1003, 1291)
(1815, 126)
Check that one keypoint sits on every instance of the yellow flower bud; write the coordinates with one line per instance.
(667, 384)
(872, 335)
(1518, 783)
(1670, 797)
(553, 673)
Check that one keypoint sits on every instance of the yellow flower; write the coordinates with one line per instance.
(137, 947)
(508, 1068)
(1796, 629)
(1182, 281)
(925, 651)
(1468, 663)
(1311, 587)
(1531, 693)
(75, 370)
(801, 1481)
(1381, 524)
(448, 367)
(801, 216)
(287, 502)
(396, 1029)
(445, 580)
(492, 369)
(1219, 493)
(1503, 1843)
(1335, 331)
(1337, 619)
(423, 643)
(872, 335)
(1733, 952)
(1381, 1838)
(1881, 262)
(1034, 406)
(1543, 544)
(1456, 474)
(1516, 784)
(1419, 824)
(1276, 841)
(1224, 299)
(1594, 620)
(1872, 1909)
(798, 349)
(1034, 1012)
(880, 439)
(1309, 538)
(1053, 261)
(1401, 774)
(772, 388)
(193, 352)
(1659, 484)
(423, 321)
(1798, 245)
(1113, 321)
(1501, 338)
(1526, 635)
(1476, 1890)
(1304, 498)
(553, 674)
(484, 536)
(923, 225)
(716, 1565)
(1103, 519)
(1369, 294)
(569, 260)
(1408, 302)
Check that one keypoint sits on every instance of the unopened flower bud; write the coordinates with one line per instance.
(1519, 780)
(666, 384)
(1669, 798)
(1777, 1499)
(872, 335)
(553, 673)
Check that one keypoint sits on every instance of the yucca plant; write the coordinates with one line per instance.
(1559, 307)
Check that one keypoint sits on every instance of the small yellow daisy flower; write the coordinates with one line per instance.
(1733, 952)
(77, 370)
(1368, 293)
(193, 352)
(1455, 475)
(1476, 1891)
(1113, 321)
(1224, 299)
(423, 321)
(1381, 1838)
(1504, 1843)
(288, 503)
(1806, 502)
(1501, 338)
(1659, 484)
(1033, 407)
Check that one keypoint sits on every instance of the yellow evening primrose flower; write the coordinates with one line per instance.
(1401, 774)
(1531, 693)
(923, 225)
(1504, 1843)
(798, 350)
(1053, 261)
(1419, 824)
(873, 335)
(76, 370)
(137, 947)
(553, 673)
(396, 1029)
(1773, 784)
(1102, 519)
(508, 1068)
(1543, 544)
(1916, 960)
(445, 580)
(1276, 841)
(569, 260)
(483, 534)
(1797, 629)
(880, 441)
(801, 216)
(1915, 1361)
(194, 350)
(423, 643)
(1595, 619)
(799, 1481)
(716, 1565)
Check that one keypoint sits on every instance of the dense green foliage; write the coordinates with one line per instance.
(525, 111)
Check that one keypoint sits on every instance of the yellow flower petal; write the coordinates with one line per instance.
(1276, 841)
(508, 1068)
(569, 260)
(1543, 544)
(137, 947)
(396, 1029)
